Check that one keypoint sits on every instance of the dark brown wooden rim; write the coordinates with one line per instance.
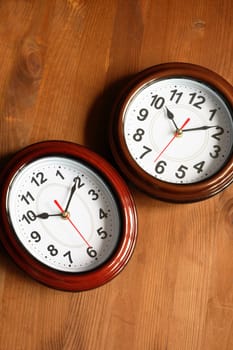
(145, 182)
(37, 270)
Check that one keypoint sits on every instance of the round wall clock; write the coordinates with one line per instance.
(171, 132)
(67, 217)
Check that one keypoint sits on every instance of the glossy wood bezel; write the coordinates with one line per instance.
(163, 190)
(44, 274)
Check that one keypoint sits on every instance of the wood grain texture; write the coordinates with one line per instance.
(62, 65)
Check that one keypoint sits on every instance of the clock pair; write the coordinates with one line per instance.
(68, 218)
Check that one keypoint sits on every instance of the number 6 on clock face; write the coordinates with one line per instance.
(172, 132)
(69, 219)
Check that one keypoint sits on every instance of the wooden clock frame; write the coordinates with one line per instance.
(39, 271)
(179, 193)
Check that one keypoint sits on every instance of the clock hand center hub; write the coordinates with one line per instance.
(65, 215)
(179, 133)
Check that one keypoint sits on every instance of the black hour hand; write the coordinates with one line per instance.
(170, 116)
(46, 215)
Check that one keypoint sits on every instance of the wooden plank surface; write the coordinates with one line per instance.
(62, 65)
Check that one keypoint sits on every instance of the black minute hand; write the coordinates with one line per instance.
(200, 128)
(73, 189)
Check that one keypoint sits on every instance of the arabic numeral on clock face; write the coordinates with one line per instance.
(79, 182)
(181, 172)
(52, 250)
(35, 236)
(217, 150)
(68, 255)
(29, 216)
(146, 151)
(39, 179)
(199, 166)
(102, 214)
(91, 252)
(160, 167)
(175, 95)
(59, 174)
(212, 114)
(103, 234)
(27, 198)
(196, 100)
(219, 132)
(94, 195)
(157, 101)
(138, 135)
(143, 114)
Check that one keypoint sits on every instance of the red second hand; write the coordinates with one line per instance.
(71, 222)
(176, 134)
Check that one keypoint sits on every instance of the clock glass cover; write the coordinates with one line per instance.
(179, 130)
(64, 214)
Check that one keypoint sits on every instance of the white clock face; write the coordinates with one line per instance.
(64, 214)
(178, 130)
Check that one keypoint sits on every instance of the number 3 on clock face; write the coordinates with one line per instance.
(175, 132)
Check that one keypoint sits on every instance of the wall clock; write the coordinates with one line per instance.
(171, 132)
(67, 217)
